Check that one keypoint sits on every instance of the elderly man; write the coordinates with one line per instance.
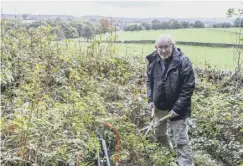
(170, 85)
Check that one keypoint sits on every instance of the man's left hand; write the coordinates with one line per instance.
(173, 113)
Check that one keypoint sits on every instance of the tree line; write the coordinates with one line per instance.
(171, 24)
(70, 29)
(175, 24)
(65, 29)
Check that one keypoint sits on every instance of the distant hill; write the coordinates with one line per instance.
(134, 20)
(36, 17)
(95, 18)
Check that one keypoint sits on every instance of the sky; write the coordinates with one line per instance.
(138, 9)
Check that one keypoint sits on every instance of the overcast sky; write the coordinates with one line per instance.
(140, 9)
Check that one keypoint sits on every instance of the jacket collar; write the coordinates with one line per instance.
(151, 57)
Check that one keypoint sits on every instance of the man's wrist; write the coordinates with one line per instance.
(176, 110)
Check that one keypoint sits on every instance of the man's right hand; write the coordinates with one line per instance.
(151, 105)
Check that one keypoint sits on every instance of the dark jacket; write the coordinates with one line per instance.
(179, 83)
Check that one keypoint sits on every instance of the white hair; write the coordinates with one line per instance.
(165, 37)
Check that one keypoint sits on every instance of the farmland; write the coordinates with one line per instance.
(200, 56)
(205, 35)
(203, 57)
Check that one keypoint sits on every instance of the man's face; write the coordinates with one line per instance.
(164, 48)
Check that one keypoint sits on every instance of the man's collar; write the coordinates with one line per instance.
(158, 57)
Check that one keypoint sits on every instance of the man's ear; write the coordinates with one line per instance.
(155, 47)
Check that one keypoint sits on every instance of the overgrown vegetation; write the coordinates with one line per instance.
(55, 96)
(238, 49)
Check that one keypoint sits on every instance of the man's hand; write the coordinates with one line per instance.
(151, 105)
(173, 114)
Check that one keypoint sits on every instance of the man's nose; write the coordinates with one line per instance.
(163, 50)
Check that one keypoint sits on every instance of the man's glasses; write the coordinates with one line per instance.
(166, 47)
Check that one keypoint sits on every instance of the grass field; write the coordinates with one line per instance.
(205, 35)
(221, 58)
(227, 29)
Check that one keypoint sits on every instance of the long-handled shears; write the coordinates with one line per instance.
(152, 124)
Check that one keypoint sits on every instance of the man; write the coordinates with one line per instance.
(170, 85)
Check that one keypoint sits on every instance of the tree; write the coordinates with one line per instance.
(146, 25)
(238, 48)
(9, 25)
(69, 31)
(139, 27)
(58, 32)
(58, 19)
(238, 22)
(79, 29)
(87, 32)
(53, 23)
(92, 20)
(104, 26)
(184, 24)
(25, 16)
(174, 24)
(128, 28)
(134, 27)
(73, 33)
(191, 24)
(78, 26)
(155, 24)
(198, 24)
(222, 25)
(164, 25)
(70, 19)
(35, 24)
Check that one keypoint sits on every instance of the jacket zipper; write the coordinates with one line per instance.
(170, 68)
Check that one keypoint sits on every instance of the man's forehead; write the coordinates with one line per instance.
(164, 39)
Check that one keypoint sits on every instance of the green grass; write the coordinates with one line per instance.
(202, 57)
(227, 29)
(221, 58)
(205, 35)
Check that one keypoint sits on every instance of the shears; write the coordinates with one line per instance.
(153, 124)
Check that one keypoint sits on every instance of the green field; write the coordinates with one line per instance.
(221, 58)
(200, 56)
(205, 35)
(227, 29)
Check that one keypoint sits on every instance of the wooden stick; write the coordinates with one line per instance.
(152, 113)
(163, 119)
